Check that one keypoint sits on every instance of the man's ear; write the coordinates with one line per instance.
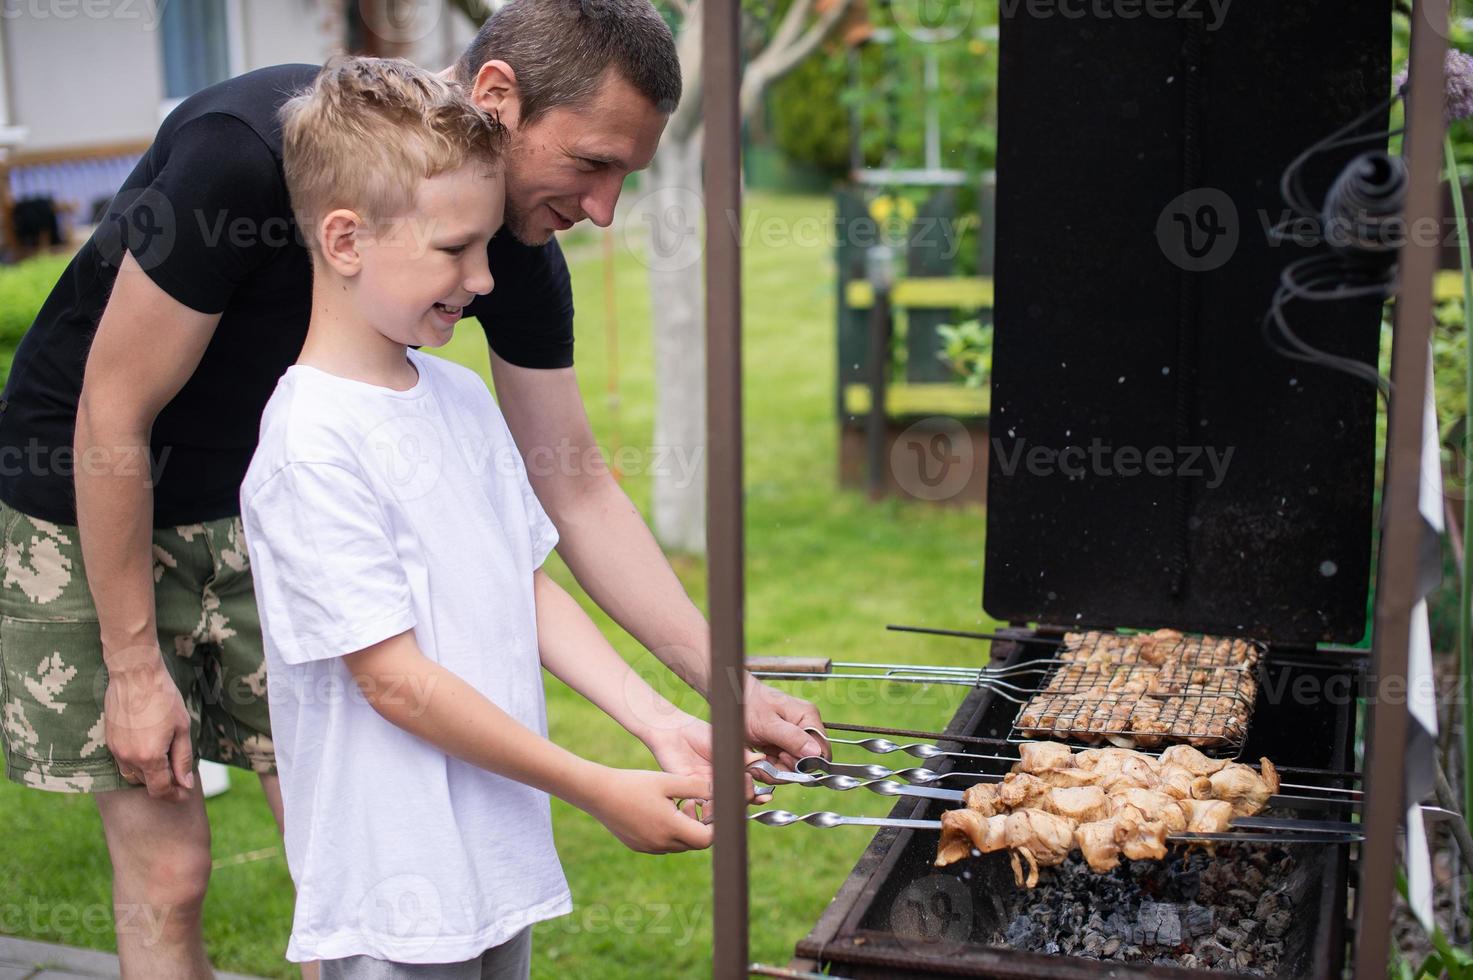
(338, 240)
(496, 91)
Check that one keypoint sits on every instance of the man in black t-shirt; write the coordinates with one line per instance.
(131, 413)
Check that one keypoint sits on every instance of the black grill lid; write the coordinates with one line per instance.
(1110, 357)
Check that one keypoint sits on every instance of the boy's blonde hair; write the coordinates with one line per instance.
(368, 130)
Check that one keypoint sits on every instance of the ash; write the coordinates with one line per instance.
(1228, 912)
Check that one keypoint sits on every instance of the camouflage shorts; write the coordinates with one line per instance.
(53, 676)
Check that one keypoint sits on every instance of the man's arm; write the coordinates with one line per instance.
(635, 806)
(614, 556)
(146, 347)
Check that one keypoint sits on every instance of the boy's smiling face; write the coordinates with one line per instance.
(413, 274)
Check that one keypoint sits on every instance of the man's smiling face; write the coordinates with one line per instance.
(570, 163)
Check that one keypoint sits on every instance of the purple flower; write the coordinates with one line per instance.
(1458, 69)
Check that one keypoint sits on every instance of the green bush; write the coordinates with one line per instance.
(808, 119)
(23, 288)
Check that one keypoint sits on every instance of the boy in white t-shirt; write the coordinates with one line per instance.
(395, 543)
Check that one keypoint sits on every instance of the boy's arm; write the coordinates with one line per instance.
(577, 654)
(453, 716)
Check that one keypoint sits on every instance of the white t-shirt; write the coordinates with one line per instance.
(369, 512)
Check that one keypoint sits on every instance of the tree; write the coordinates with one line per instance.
(670, 212)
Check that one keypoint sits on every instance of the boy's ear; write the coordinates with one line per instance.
(338, 239)
(496, 92)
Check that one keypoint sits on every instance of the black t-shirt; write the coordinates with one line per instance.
(206, 215)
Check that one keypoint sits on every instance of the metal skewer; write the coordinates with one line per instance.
(818, 765)
(922, 750)
(765, 772)
(828, 819)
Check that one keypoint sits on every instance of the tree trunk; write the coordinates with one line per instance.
(671, 216)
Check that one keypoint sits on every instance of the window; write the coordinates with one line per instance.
(196, 46)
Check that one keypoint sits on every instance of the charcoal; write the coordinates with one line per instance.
(1023, 933)
(1196, 920)
(1159, 925)
(1192, 911)
(1277, 924)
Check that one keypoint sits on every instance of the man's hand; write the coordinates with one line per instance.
(146, 728)
(775, 723)
(686, 751)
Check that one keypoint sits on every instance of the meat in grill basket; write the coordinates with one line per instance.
(1147, 690)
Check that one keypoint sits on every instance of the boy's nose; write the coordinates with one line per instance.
(480, 283)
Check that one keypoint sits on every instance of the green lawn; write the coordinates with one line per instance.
(825, 571)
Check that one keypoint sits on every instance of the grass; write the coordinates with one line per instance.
(826, 569)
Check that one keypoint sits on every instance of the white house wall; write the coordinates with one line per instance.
(87, 72)
(76, 78)
(280, 31)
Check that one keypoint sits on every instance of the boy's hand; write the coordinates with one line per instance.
(638, 807)
(685, 750)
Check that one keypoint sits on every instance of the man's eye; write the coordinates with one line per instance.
(453, 249)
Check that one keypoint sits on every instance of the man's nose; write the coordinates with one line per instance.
(600, 202)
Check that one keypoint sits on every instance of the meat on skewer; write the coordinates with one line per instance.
(1040, 838)
(1111, 802)
(1181, 771)
(1043, 839)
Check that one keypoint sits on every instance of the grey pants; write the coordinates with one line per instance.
(512, 960)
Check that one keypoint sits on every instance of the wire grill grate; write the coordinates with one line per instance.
(1146, 690)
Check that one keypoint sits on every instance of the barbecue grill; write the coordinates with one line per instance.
(1108, 335)
(898, 916)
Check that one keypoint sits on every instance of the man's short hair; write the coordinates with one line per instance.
(368, 130)
(561, 51)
